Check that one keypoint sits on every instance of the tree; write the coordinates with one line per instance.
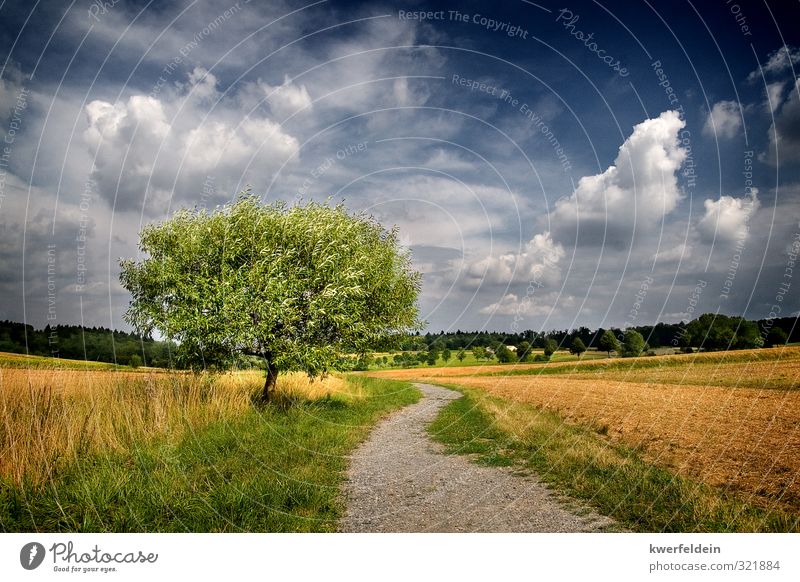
(479, 352)
(431, 359)
(446, 355)
(714, 331)
(633, 344)
(523, 350)
(550, 347)
(297, 286)
(776, 337)
(577, 347)
(608, 342)
(505, 355)
(461, 355)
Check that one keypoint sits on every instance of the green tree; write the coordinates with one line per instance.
(505, 355)
(461, 355)
(633, 344)
(776, 337)
(577, 347)
(431, 359)
(714, 331)
(550, 347)
(608, 342)
(134, 361)
(446, 355)
(479, 352)
(297, 286)
(523, 351)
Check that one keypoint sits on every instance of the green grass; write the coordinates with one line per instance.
(9, 360)
(577, 461)
(278, 468)
(470, 360)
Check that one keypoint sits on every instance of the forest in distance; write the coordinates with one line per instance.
(709, 332)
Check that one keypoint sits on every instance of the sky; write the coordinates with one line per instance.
(549, 165)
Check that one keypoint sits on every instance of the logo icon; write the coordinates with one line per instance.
(31, 555)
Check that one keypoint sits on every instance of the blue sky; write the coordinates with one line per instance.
(549, 165)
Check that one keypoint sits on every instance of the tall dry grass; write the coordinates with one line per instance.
(52, 417)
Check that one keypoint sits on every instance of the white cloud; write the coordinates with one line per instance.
(778, 62)
(286, 99)
(774, 96)
(726, 219)
(167, 146)
(531, 305)
(784, 133)
(639, 189)
(724, 120)
(538, 262)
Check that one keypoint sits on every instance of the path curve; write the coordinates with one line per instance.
(400, 480)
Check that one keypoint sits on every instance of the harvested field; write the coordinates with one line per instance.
(720, 418)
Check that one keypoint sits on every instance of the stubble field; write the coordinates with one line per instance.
(730, 420)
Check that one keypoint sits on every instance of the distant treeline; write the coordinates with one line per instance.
(84, 343)
(709, 331)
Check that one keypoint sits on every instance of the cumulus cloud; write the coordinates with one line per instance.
(637, 190)
(529, 305)
(778, 62)
(538, 261)
(726, 219)
(724, 120)
(784, 133)
(166, 146)
(286, 99)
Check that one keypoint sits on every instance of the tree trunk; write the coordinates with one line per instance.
(269, 381)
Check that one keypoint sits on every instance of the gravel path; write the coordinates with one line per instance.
(401, 481)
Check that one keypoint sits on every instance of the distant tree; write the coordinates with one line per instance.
(608, 342)
(479, 352)
(714, 331)
(523, 351)
(461, 355)
(776, 337)
(432, 357)
(633, 344)
(296, 286)
(135, 361)
(577, 347)
(505, 355)
(446, 355)
(550, 346)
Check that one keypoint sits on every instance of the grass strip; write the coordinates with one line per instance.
(277, 468)
(577, 461)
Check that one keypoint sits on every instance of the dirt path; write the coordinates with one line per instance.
(401, 481)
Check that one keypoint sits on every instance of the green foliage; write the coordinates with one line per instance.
(777, 337)
(523, 351)
(577, 347)
(461, 355)
(505, 355)
(446, 355)
(633, 344)
(298, 286)
(608, 342)
(431, 358)
(550, 346)
(721, 332)
(135, 361)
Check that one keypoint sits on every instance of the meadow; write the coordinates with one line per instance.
(720, 430)
(86, 449)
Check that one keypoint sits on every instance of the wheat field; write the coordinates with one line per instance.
(50, 417)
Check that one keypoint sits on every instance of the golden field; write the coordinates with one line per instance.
(731, 420)
(50, 416)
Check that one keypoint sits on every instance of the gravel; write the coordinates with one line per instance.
(399, 480)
